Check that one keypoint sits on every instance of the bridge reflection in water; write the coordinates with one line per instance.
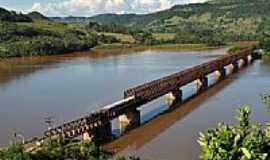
(97, 126)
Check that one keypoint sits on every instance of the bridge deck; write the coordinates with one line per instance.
(157, 88)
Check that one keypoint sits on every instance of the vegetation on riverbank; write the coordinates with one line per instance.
(58, 150)
(46, 38)
(34, 34)
(265, 45)
(238, 46)
(245, 141)
(141, 47)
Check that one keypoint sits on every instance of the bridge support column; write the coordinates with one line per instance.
(245, 61)
(203, 84)
(100, 135)
(130, 120)
(235, 66)
(222, 73)
(250, 58)
(174, 96)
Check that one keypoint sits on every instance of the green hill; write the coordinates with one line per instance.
(37, 16)
(236, 19)
(33, 34)
(12, 16)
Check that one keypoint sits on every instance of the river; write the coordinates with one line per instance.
(67, 87)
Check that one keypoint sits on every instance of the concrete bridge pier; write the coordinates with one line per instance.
(130, 120)
(201, 84)
(222, 73)
(235, 66)
(100, 135)
(246, 61)
(204, 83)
(250, 58)
(230, 69)
(174, 96)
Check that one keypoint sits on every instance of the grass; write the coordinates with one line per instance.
(139, 47)
(164, 36)
(236, 46)
(60, 27)
(125, 38)
(244, 44)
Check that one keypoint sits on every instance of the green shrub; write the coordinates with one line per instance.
(15, 152)
(144, 37)
(265, 44)
(245, 141)
(60, 150)
(266, 100)
(12, 16)
(107, 39)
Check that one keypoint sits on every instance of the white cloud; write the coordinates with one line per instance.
(92, 7)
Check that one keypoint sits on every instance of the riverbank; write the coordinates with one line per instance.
(118, 48)
(107, 50)
(140, 47)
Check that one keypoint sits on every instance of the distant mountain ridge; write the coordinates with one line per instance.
(212, 10)
(242, 17)
(232, 20)
(37, 16)
(12, 16)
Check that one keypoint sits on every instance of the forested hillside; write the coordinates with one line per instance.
(34, 34)
(233, 20)
(12, 16)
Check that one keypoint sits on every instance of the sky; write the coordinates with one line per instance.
(91, 7)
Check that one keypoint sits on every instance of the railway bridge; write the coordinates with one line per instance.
(97, 126)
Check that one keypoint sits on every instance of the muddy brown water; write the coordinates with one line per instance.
(67, 87)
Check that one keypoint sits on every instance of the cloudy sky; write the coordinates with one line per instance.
(91, 7)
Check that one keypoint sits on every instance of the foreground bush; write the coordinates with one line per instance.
(245, 141)
(57, 150)
(265, 44)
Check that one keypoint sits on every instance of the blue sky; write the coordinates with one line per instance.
(91, 7)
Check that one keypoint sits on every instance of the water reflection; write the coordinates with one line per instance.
(16, 68)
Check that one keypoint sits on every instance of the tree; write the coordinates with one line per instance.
(60, 150)
(265, 44)
(143, 37)
(266, 100)
(245, 141)
(15, 152)
(215, 41)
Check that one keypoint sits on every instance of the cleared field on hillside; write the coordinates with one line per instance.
(126, 38)
(164, 36)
